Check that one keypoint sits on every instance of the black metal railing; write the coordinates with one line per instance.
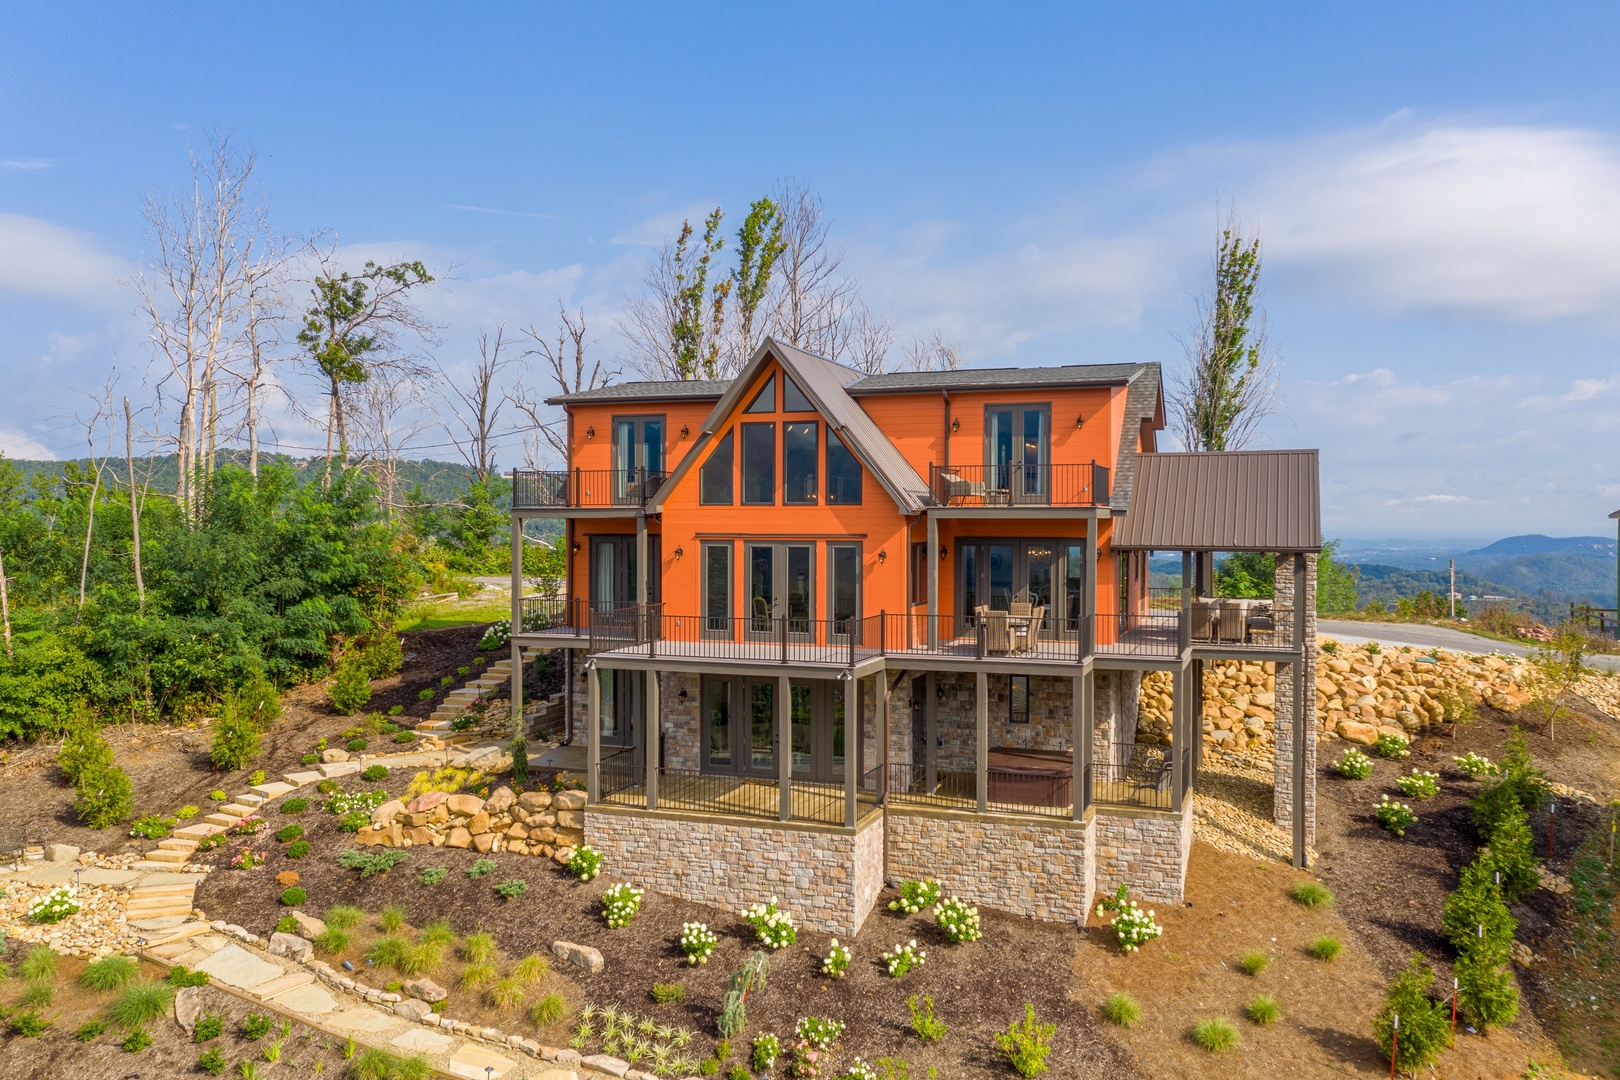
(540, 489)
(1042, 792)
(616, 772)
(648, 631)
(1133, 774)
(1083, 484)
(1138, 633)
(745, 796)
(553, 614)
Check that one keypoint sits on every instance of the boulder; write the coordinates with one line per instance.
(464, 805)
(61, 853)
(308, 925)
(188, 1003)
(518, 831)
(425, 990)
(569, 800)
(387, 812)
(1357, 732)
(570, 819)
(426, 801)
(543, 835)
(334, 756)
(502, 800)
(371, 834)
(483, 842)
(458, 838)
(412, 1010)
(535, 800)
(478, 823)
(420, 836)
(581, 956)
(291, 946)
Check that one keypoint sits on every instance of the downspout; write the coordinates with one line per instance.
(945, 396)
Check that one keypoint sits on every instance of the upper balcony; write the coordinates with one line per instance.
(1013, 486)
(585, 489)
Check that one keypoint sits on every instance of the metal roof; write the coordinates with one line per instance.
(675, 389)
(996, 378)
(1245, 500)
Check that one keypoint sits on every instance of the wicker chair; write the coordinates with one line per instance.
(997, 631)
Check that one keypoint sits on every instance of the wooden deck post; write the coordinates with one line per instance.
(593, 733)
(1080, 774)
(933, 584)
(982, 742)
(1180, 688)
(930, 733)
(653, 707)
(784, 745)
(1184, 620)
(883, 736)
(1088, 615)
(641, 560)
(516, 624)
(852, 768)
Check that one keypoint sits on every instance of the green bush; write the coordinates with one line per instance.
(1026, 1043)
(382, 654)
(548, 1010)
(481, 867)
(103, 795)
(928, 1027)
(210, 1026)
(1476, 903)
(381, 1065)
(374, 773)
(90, 1030)
(1513, 854)
(1215, 1034)
(150, 827)
(350, 691)
(288, 833)
(296, 805)
(236, 733)
(298, 849)
(512, 888)
(212, 1061)
(136, 1041)
(29, 1024)
(391, 918)
(403, 737)
(433, 875)
(310, 759)
(180, 975)
(425, 694)
(1487, 993)
(109, 973)
(140, 1004)
(478, 948)
(343, 917)
(1326, 947)
(669, 993)
(1122, 1010)
(395, 710)
(82, 745)
(294, 896)
(1311, 894)
(1391, 746)
(390, 950)
(520, 762)
(1262, 1009)
(1425, 1024)
(331, 941)
(39, 962)
(1253, 963)
(372, 863)
(255, 1026)
(356, 746)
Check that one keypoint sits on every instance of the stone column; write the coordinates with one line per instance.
(1295, 593)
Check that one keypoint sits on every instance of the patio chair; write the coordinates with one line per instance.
(1229, 624)
(1028, 630)
(1203, 617)
(952, 488)
(997, 632)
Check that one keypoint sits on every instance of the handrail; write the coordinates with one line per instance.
(1067, 484)
(544, 489)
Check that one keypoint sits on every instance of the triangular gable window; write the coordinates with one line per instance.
(765, 400)
(793, 399)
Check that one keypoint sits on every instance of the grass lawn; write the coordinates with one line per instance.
(439, 615)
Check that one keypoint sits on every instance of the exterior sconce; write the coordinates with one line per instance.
(590, 432)
(679, 551)
(956, 424)
(942, 551)
(682, 695)
(883, 556)
(576, 545)
(1079, 421)
(684, 430)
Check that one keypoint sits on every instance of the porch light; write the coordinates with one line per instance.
(576, 545)
(883, 555)
(942, 551)
(682, 695)
(956, 425)
(1079, 420)
(679, 551)
(684, 430)
(590, 432)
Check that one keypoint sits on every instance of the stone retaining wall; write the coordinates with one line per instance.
(1043, 870)
(828, 879)
(534, 823)
(1148, 855)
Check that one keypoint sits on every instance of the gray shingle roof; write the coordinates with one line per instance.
(648, 391)
(995, 378)
(1142, 402)
(1242, 500)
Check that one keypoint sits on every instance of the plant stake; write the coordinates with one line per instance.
(1394, 1044)
(1454, 1010)
(1552, 816)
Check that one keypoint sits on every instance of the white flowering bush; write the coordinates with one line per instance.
(697, 942)
(837, 962)
(915, 896)
(54, 906)
(1391, 746)
(1419, 784)
(1354, 765)
(818, 1031)
(620, 904)
(959, 922)
(1397, 817)
(585, 863)
(352, 802)
(773, 927)
(498, 635)
(1132, 926)
(1475, 766)
(858, 1070)
(902, 958)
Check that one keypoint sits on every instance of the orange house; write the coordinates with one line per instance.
(815, 619)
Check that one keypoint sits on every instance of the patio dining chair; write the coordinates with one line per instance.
(997, 632)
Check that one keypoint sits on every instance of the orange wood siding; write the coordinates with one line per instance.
(596, 452)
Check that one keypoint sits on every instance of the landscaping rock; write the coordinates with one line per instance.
(464, 805)
(426, 801)
(569, 800)
(484, 842)
(478, 823)
(581, 956)
(458, 838)
(502, 800)
(308, 925)
(61, 853)
(188, 1003)
(535, 800)
(1357, 732)
(291, 946)
(333, 756)
(603, 1063)
(387, 812)
(425, 990)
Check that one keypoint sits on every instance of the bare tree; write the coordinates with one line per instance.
(814, 296)
(1229, 383)
(870, 339)
(931, 352)
(5, 606)
(389, 409)
(481, 403)
(265, 278)
(137, 503)
(190, 291)
(570, 373)
(102, 414)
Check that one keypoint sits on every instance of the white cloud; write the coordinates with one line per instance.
(40, 258)
(17, 444)
(26, 164)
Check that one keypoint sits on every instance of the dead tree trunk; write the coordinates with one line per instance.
(5, 606)
(134, 508)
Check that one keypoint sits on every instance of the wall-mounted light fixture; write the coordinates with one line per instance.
(1079, 421)
(685, 430)
(883, 555)
(956, 425)
(679, 551)
(576, 545)
(590, 432)
(942, 551)
(682, 695)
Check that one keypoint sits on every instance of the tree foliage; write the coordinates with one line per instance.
(1254, 574)
(1425, 1025)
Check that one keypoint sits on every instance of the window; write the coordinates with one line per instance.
(717, 698)
(919, 573)
(1018, 699)
(843, 473)
(765, 400)
(799, 462)
(1017, 448)
(759, 464)
(714, 479)
(793, 399)
(844, 592)
(717, 588)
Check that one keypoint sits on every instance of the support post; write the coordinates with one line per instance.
(883, 736)
(930, 732)
(1184, 622)
(593, 734)
(1080, 745)
(516, 624)
(784, 745)
(852, 766)
(1196, 735)
(982, 742)
(641, 560)
(933, 583)
(1178, 731)
(1299, 709)
(1088, 613)
(653, 707)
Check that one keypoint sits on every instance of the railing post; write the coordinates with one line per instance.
(883, 631)
(781, 629)
(981, 742)
(784, 746)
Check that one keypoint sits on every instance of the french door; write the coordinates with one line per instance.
(1017, 449)
(621, 705)
(1041, 573)
(741, 731)
(781, 585)
(613, 571)
(638, 458)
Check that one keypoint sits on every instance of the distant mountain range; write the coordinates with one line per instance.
(1550, 570)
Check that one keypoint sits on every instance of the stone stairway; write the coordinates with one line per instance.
(156, 898)
(436, 730)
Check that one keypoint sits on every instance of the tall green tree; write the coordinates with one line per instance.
(759, 246)
(1229, 382)
(700, 311)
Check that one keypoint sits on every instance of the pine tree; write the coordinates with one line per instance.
(1476, 903)
(1425, 1026)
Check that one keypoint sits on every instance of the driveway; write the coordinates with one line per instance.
(1421, 636)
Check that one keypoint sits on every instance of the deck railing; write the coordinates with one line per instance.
(733, 795)
(1044, 793)
(561, 489)
(1083, 484)
(1133, 774)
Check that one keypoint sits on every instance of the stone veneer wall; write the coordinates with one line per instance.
(1283, 733)
(1148, 855)
(681, 726)
(1042, 870)
(828, 879)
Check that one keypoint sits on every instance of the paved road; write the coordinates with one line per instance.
(1421, 636)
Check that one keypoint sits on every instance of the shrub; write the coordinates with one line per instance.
(1122, 1009)
(836, 965)
(395, 710)
(671, 993)
(1354, 765)
(210, 1026)
(1425, 1025)
(697, 942)
(1486, 990)
(1026, 1043)
(773, 928)
(372, 863)
(186, 813)
(329, 787)
(354, 821)
(298, 849)
(1418, 784)
(390, 950)
(425, 694)
(54, 906)
(506, 994)
(403, 737)
(548, 1010)
(1513, 855)
(481, 868)
(478, 948)
(766, 1049)
(585, 863)
(1215, 1034)
(29, 1024)
(356, 746)
(445, 681)
(212, 1061)
(476, 975)
(818, 1031)
(109, 973)
(391, 918)
(374, 774)
(288, 833)
(136, 1041)
(37, 995)
(1262, 1009)
(1391, 746)
(255, 1026)
(915, 896)
(929, 1028)
(381, 1065)
(286, 925)
(331, 941)
(1311, 894)
(1326, 947)
(620, 904)
(256, 777)
(1132, 926)
(519, 749)
(141, 1003)
(1253, 963)
(103, 795)
(150, 827)
(294, 896)
(235, 741)
(296, 805)
(350, 691)
(423, 958)
(436, 932)
(218, 795)
(90, 1030)
(959, 922)
(1474, 765)
(180, 975)
(903, 957)
(511, 888)
(433, 875)
(1477, 902)
(310, 759)
(531, 969)
(1397, 817)
(82, 746)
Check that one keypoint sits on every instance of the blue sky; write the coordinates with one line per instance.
(1439, 194)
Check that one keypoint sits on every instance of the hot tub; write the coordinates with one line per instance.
(1031, 777)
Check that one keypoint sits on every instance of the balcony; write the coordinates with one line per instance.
(584, 489)
(623, 781)
(1019, 485)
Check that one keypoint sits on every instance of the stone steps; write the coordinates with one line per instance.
(162, 854)
(250, 799)
(237, 810)
(179, 933)
(276, 987)
(177, 843)
(224, 821)
(199, 831)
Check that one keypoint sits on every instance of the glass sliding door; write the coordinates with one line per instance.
(1048, 574)
(761, 589)
(801, 735)
(717, 751)
(781, 586)
(638, 458)
(762, 726)
(798, 589)
(844, 588)
(1000, 590)
(1017, 454)
(1040, 563)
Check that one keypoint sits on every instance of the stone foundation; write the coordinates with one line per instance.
(1148, 855)
(829, 879)
(1040, 869)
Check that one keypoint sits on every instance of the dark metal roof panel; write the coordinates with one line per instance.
(995, 378)
(673, 390)
(1248, 500)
